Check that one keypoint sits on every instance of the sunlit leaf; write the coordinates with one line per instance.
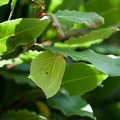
(46, 71)
(19, 32)
(13, 3)
(5, 62)
(86, 40)
(25, 57)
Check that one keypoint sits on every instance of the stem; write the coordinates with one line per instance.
(13, 3)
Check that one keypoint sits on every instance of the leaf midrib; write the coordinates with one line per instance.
(22, 31)
(78, 79)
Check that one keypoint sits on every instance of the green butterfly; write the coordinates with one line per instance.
(46, 71)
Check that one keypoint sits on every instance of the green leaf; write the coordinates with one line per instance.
(4, 2)
(65, 4)
(86, 40)
(109, 12)
(21, 115)
(19, 32)
(25, 57)
(80, 78)
(90, 19)
(46, 71)
(13, 3)
(22, 58)
(108, 64)
(71, 105)
(5, 62)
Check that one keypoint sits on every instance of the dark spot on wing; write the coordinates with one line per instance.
(13, 37)
(46, 72)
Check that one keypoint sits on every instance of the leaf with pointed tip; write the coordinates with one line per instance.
(93, 37)
(108, 64)
(46, 71)
(4, 2)
(80, 78)
(90, 19)
(74, 105)
(19, 32)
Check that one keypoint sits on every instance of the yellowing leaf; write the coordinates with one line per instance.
(46, 71)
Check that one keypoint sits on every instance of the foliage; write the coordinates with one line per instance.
(56, 57)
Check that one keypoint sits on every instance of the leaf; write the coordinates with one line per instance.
(90, 19)
(88, 39)
(108, 64)
(21, 115)
(65, 4)
(110, 12)
(71, 105)
(19, 32)
(5, 62)
(25, 57)
(13, 3)
(46, 71)
(4, 2)
(80, 78)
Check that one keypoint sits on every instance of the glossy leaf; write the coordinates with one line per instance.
(21, 115)
(4, 2)
(107, 64)
(71, 105)
(90, 19)
(46, 71)
(86, 40)
(19, 32)
(80, 78)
